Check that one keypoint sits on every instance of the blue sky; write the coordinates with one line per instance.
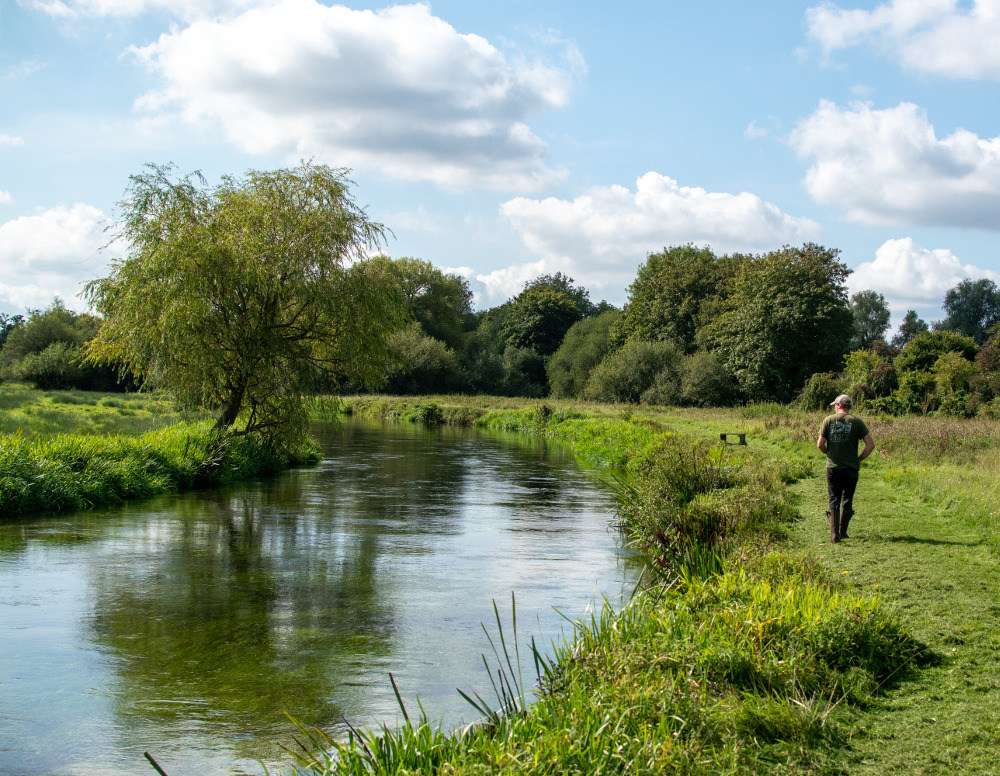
(508, 139)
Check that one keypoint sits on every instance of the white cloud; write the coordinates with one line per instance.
(399, 90)
(10, 140)
(889, 166)
(913, 277)
(49, 254)
(929, 36)
(600, 237)
(5, 197)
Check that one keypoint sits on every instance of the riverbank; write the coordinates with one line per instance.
(746, 654)
(63, 450)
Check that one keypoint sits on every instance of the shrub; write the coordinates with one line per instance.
(584, 346)
(624, 375)
(820, 389)
(927, 347)
(422, 364)
(707, 382)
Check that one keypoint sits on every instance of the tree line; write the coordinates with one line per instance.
(247, 296)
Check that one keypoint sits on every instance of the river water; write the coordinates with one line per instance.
(189, 625)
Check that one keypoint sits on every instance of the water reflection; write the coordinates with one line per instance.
(187, 626)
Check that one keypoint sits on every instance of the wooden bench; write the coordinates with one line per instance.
(742, 436)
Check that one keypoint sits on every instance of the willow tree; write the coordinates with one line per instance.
(244, 296)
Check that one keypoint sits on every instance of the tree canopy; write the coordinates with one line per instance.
(539, 318)
(911, 326)
(788, 318)
(871, 319)
(440, 302)
(670, 299)
(972, 307)
(242, 295)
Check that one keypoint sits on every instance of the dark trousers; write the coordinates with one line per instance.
(840, 485)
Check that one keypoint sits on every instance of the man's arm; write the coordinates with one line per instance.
(822, 444)
(869, 446)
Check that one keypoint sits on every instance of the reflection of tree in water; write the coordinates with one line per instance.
(235, 605)
(238, 616)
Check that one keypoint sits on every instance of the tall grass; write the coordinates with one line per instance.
(751, 670)
(113, 448)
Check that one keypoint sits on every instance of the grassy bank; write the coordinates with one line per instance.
(64, 450)
(741, 657)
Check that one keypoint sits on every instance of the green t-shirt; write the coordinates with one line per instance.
(843, 432)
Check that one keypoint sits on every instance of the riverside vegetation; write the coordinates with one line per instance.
(73, 449)
(757, 647)
(742, 654)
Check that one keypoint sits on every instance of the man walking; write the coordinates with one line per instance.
(838, 438)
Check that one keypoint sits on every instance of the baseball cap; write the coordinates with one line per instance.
(844, 400)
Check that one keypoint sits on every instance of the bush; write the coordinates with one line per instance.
(423, 364)
(707, 382)
(927, 347)
(623, 376)
(821, 389)
(585, 344)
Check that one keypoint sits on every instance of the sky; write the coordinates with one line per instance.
(507, 139)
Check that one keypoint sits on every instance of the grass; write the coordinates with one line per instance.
(73, 450)
(743, 657)
(925, 536)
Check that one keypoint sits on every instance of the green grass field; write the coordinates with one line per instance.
(63, 450)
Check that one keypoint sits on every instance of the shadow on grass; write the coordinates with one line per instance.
(939, 542)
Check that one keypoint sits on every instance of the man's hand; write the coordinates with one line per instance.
(869, 446)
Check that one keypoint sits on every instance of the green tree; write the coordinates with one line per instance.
(565, 284)
(539, 318)
(242, 295)
(911, 326)
(8, 322)
(921, 352)
(420, 363)
(46, 350)
(586, 343)
(440, 302)
(788, 318)
(871, 319)
(670, 296)
(972, 307)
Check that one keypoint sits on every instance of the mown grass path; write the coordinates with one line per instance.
(941, 574)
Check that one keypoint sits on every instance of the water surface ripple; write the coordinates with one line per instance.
(188, 625)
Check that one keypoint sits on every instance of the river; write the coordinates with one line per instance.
(188, 626)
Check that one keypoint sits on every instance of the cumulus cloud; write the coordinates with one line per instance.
(929, 36)
(49, 254)
(913, 277)
(601, 236)
(889, 166)
(398, 90)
